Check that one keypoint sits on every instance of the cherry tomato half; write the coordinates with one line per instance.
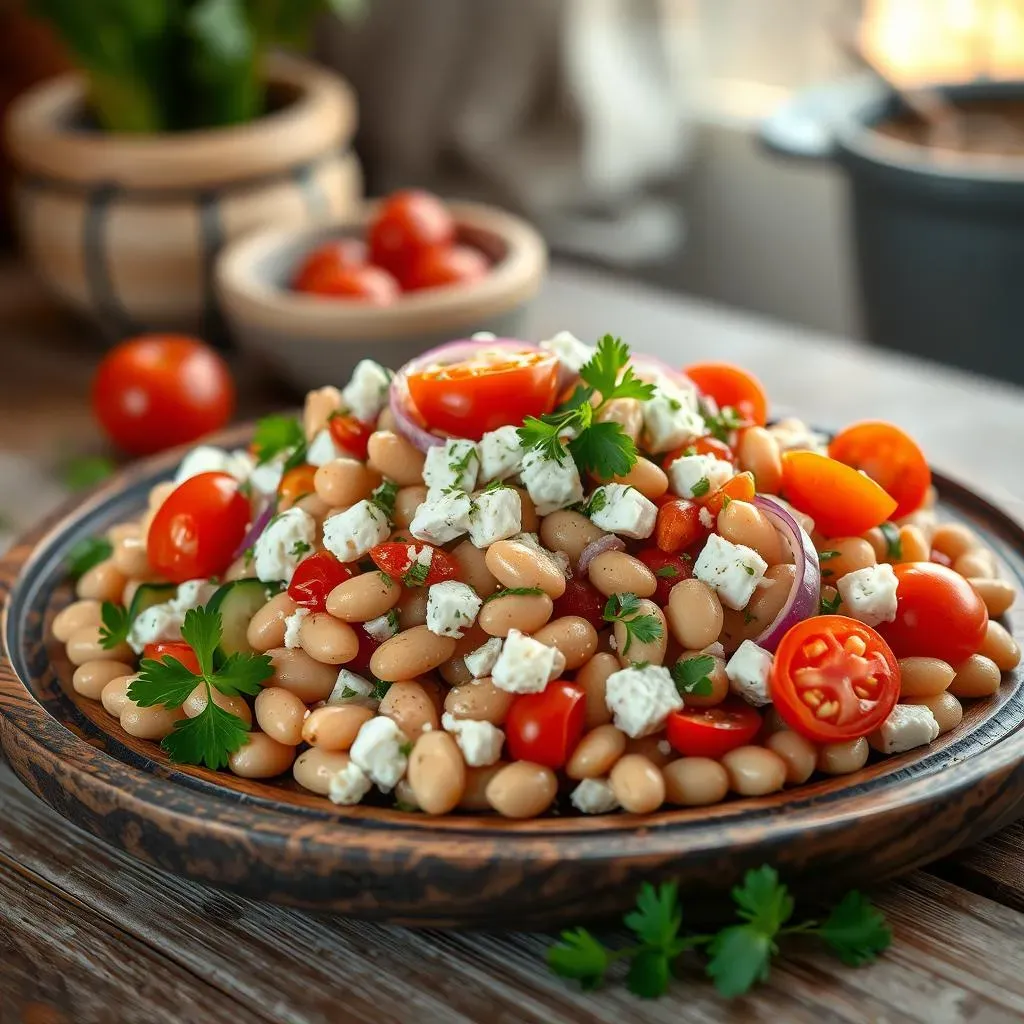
(297, 483)
(159, 390)
(713, 732)
(938, 614)
(545, 727)
(350, 434)
(439, 266)
(343, 252)
(402, 562)
(582, 598)
(678, 525)
(729, 385)
(841, 501)
(491, 390)
(407, 223)
(314, 578)
(363, 283)
(177, 649)
(197, 530)
(834, 679)
(668, 570)
(891, 458)
(741, 487)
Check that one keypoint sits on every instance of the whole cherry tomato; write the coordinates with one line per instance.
(176, 649)
(712, 732)
(545, 727)
(160, 390)
(314, 578)
(439, 266)
(343, 252)
(426, 565)
(350, 434)
(407, 223)
(582, 598)
(730, 386)
(364, 283)
(668, 570)
(197, 530)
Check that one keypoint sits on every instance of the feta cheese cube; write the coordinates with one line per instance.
(285, 542)
(732, 570)
(481, 662)
(495, 515)
(526, 665)
(192, 594)
(452, 464)
(164, 621)
(451, 608)
(381, 750)
(441, 518)
(640, 699)
(480, 742)
(569, 350)
(501, 454)
(621, 509)
(594, 796)
(322, 449)
(206, 458)
(552, 484)
(366, 393)
(349, 535)
(707, 520)
(749, 673)
(671, 418)
(869, 594)
(384, 627)
(349, 785)
(292, 625)
(692, 476)
(908, 726)
(351, 689)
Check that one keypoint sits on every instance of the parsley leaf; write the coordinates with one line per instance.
(417, 573)
(116, 623)
(384, 498)
(380, 689)
(598, 501)
(405, 748)
(514, 592)
(86, 554)
(608, 372)
(740, 956)
(667, 572)
(649, 974)
(201, 630)
(657, 917)
(893, 542)
(824, 556)
(691, 675)
(301, 547)
(763, 900)
(579, 956)
(242, 673)
(625, 608)
(209, 738)
(277, 435)
(721, 424)
(85, 471)
(166, 682)
(701, 487)
(829, 605)
(856, 931)
(604, 449)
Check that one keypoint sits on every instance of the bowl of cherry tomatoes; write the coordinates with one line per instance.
(404, 274)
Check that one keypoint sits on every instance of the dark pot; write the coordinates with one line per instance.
(939, 235)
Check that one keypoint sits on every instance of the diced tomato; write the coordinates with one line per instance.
(314, 578)
(668, 570)
(582, 598)
(297, 483)
(545, 727)
(741, 487)
(730, 386)
(415, 564)
(714, 731)
(678, 525)
(350, 435)
(176, 649)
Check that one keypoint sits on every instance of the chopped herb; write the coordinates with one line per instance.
(829, 605)
(459, 465)
(826, 573)
(496, 485)
(84, 471)
(514, 592)
(691, 675)
(349, 692)
(893, 542)
(384, 498)
(380, 689)
(674, 404)
(639, 664)
(248, 555)
(726, 500)
(116, 623)
(667, 572)
(300, 547)
(701, 487)
(690, 449)
(280, 435)
(598, 501)
(824, 556)
(749, 570)
(245, 489)
(748, 617)
(402, 805)
(405, 748)
(385, 578)
(417, 573)
(625, 608)
(86, 554)
(721, 424)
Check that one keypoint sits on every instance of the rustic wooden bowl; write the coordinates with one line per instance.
(270, 840)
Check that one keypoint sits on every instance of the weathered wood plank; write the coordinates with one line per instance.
(994, 868)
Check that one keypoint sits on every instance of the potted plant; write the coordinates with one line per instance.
(182, 131)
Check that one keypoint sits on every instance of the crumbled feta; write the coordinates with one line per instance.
(454, 464)
(380, 750)
(501, 454)
(671, 418)
(164, 621)
(349, 535)
(733, 570)
(350, 689)
(569, 350)
(480, 742)
(908, 726)
(285, 542)
(594, 796)
(367, 392)
(481, 662)
(869, 594)
(707, 520)
(692, 476)
(526, 665)
(749, 671)
(495, 515)
(621, 509)
(322, 449)
(551, 484)
(348, 785)
(384, 627)
(442, 518)
(292, 625)
(451, 608)
(640, 699)
(207, 459)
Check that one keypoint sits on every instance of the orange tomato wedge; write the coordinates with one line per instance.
(741, 487)
(841, 501)
(729, 385)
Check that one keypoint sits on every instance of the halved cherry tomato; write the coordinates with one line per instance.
(197, 530)
(443, 265)
(297, 483)
(891, 458)
(668, 570)
(938, 614)
(713, 732)
(678, 525)
(408, 222)
(402, 562)
(314, 578)
(545, 727)
(350, 434)
(582, 598)
(834, 679)
(343, 252)
(702, 446)
(841, 501)
(492, 390)
(741, 487)
(363, 283)
(729, 385)
(177, 649)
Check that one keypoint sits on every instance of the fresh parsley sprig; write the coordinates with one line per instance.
(626, 608)
(829, 605)
(384, 498)
(280, 435)
(739, 955)
(691, 676)
(115, 624)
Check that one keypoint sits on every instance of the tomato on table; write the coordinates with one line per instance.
(582, 598)
(297, 483)
(406, 223)
(343, 252)
(493, 389)
(197, 530)
(545, 727)
(439, 266)
(741, 487)
(669, 569)
(891, 458)
(713, 732)
(410, 565)
(160, 390)
(350, 434)
(938, 614)
(314, 578)
(728, 385)
(834, 679)
(841, 501)
(362, 283)
(678, 525)
(176, 649)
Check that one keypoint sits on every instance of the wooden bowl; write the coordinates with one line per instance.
(271, 840)
(312, 341)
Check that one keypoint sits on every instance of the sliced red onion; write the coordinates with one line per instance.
(805, 597)
(597, 547)
(400, 401)
(259, 524)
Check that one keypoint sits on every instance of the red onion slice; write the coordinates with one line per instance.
(805, 597)
(597, 547)
(259, 524)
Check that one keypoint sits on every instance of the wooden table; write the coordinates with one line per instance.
(89, 935)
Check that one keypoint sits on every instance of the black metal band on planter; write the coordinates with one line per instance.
(114, 320)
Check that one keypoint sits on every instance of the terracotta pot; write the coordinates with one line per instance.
(126, 228)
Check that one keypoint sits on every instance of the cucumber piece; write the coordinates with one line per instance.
(237, 602)
(148, 595)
